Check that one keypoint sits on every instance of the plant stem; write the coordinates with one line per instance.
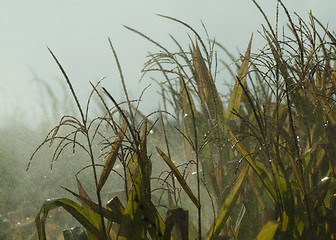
(97, 191)
(197, 162)
(291, 121)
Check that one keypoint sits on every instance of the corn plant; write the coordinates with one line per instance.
(128, 144)
(290, 104)
(205, 130)
(260, 166)
(282, 126)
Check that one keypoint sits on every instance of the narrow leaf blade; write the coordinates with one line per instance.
(268, 231)
(236, 95)
(179, 177)
(227, 207)
(111, 158)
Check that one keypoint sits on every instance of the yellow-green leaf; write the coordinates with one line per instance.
(227, 207)
(236, 95)
(258, 170)
(140, 216)
(95, 216)
(209, 95)
(70, 206)
(268, 231)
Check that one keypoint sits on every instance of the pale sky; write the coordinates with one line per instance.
(77, 33)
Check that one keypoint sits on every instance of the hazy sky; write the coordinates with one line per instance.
(77, 32)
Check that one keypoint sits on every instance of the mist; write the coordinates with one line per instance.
(77, 33)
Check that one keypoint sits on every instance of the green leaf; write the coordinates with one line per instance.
(140, 216)
(261, 173)
(144, 162)
(95, 216)
(132, 171)
(236, 95)
(112, 216)
(71, 207)
(286, 197)
(268, 231)
(189, 110)
(227, 207)
(209, 96)
(192, 119)
(115, 205)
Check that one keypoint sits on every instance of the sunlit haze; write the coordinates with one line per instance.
(77, 32)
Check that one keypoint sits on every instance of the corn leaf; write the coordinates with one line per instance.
(140, 216)
(132, 171)
(178, 218)
(236, 95)
(70, 206)
(111, 159)
(144, 162)
(179, 177)
(84, 194)
(227, 207)
(95, 216)
(75, 234)
(268, 231)
(131, 218)
(112, 216)
(261, 173)
(286, 198)
(209, 95)
(189, 110)
(115, 205)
